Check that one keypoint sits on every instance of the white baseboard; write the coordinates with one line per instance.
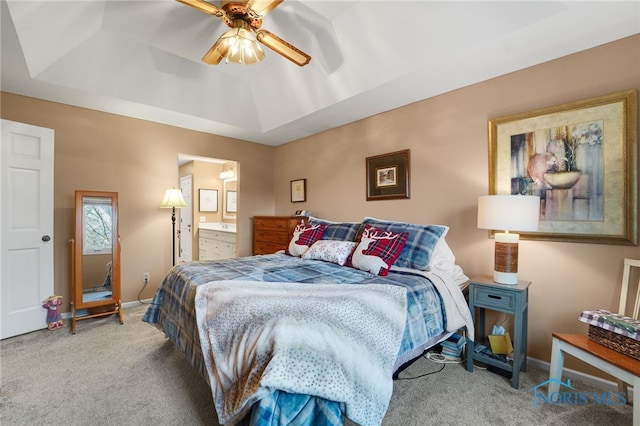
(67, 315)
(596, 382)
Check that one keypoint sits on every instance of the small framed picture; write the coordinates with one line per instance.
(388, 176)
(208, 200)
(231, 206)
(298, 190)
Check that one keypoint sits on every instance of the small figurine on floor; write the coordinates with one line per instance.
(53, 313)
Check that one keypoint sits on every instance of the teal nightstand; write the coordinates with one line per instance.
(485, 294)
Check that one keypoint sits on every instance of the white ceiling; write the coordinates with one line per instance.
(142, 58)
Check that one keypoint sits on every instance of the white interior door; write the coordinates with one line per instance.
(26, 234)
(186, 221)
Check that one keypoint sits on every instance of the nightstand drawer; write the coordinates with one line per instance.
(494, 298)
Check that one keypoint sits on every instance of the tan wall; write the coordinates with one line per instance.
(139, 160)
(447, 136)
(448, 139)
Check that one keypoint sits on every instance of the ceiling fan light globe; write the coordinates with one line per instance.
(240, 46)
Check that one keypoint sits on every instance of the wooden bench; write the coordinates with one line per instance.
(620, 366)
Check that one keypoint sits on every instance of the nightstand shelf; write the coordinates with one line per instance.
(485, 294)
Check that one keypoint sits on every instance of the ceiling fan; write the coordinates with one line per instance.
(239, 44)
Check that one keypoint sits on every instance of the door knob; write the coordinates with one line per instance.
(46, 238)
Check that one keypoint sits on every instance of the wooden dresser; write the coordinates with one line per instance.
(273, 233)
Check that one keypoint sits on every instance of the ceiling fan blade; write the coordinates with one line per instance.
(285, 49)
(204, 6)
(262, 7)
(214, 56)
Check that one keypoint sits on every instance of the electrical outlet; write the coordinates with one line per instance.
(145, 277)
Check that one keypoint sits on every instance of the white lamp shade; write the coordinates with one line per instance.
(173, 198)
(509, 212)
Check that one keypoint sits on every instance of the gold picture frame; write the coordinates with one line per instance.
(581, 158)
(388, 176)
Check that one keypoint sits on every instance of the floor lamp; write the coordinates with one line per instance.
(172, 200)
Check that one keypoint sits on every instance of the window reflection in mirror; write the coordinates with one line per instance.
(97, 235)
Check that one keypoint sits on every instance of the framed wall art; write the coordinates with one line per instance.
(298, 190)
(388, 176)
(231, 205)
(208, 200)
(581, 159)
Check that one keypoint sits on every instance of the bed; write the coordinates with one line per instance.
(314, 334)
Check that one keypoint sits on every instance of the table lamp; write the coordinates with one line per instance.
(508, 213)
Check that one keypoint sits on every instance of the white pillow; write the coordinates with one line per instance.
(333, 251)
(443, 260)
(442, 257)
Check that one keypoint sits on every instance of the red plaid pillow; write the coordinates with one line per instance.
(303, 237)
(377, 250)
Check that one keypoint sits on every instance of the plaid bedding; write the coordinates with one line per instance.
(173, 309)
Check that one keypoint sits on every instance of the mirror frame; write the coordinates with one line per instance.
(78, 303)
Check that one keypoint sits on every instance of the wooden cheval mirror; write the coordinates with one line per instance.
(95, 257)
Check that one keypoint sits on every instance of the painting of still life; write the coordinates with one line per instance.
(580, 159)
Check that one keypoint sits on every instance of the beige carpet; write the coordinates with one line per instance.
(130, 374)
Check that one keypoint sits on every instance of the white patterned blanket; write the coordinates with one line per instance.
(334, 341)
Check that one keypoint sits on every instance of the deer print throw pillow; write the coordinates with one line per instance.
(377, 250)
(421, 243)
(303, 237)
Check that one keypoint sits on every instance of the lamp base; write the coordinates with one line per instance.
(510, 278)
(505, 268)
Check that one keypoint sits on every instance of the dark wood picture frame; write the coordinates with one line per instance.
(388, 176)
(298, 190)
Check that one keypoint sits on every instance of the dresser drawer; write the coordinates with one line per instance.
(265, 247)
(494, 298)
(271, 224)
(272, 236)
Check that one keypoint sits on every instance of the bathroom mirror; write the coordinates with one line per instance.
(95, 257)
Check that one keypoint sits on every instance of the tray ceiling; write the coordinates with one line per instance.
(142, 58)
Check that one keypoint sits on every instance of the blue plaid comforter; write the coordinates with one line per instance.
(173, 309)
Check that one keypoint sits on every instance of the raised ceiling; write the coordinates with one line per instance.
(143, 58)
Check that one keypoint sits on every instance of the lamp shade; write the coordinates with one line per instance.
(173, 198)
(509, 212)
